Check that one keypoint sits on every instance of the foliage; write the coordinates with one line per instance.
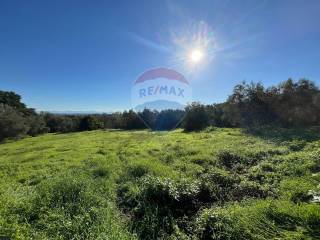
(16, 119)
(290, 104)
(252, 106)
(261, 182)
(12, 123)
(217, 184)
(196, 117)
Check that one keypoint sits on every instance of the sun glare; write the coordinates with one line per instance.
(196, 56)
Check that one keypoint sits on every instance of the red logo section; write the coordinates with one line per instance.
(161, 73)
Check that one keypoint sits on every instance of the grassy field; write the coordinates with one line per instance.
(214, 184)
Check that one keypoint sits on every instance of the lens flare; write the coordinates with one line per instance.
(196, 55)
(194, 46)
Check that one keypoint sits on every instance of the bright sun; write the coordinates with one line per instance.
(196, 56)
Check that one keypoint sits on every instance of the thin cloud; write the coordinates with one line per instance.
(148, 43)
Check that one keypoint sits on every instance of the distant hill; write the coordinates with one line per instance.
(76, 112)
(160, 105)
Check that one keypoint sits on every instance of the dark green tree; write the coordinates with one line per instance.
(196, 117)
(12, 122)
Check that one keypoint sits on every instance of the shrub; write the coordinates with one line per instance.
(101, 171)
(196, 117)
(218, 224)
(316, 162)
(259, 220)
(161, 207)
(12, 123)
(297, 189)
(301, 197)
(60, 123)
(36, 125)
(216, 185)
(68, 208)
(65, 207)
(297, 145)
(90, 122)
(158, 205)
(235, 161)
(249, 189)
(137, 171)
(229, 159)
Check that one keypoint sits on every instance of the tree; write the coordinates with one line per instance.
(36, 125)
(91, 122)
(132, 120)
(196, 117)
(12, 122)
(149, 117)
(14, 100)
(168, 119)
(60, 123)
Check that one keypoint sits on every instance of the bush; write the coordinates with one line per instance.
(91, 122)
(297, 145)
(68, 208)
(315, 167)
(259, 220)
(137, 171)
(228, 159)
(59, 123)
(218, 224)
(37, 125)
(12, 123)
(249, 189)
(297, 190)
(159, 204)
(216, 186)
(101, 171)
(196, 117)
(65, 208)
(160, 207)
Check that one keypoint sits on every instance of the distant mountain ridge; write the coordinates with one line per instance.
(77, 112)
(160, 105)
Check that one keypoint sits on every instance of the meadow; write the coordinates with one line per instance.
(219, 183)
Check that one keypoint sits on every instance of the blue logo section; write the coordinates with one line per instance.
(165, 90)
(161, 89)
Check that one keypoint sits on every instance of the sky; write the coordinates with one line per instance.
(80, 55)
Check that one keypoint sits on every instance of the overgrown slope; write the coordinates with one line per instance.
(214, 184)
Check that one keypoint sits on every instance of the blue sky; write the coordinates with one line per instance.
(84, 55)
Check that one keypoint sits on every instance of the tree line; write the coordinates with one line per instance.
(289, 104)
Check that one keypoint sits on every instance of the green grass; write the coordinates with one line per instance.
(214, 184)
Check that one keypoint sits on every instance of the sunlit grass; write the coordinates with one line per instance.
(102, 185)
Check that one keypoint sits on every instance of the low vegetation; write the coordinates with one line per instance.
(251, 106)
(219, 183)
